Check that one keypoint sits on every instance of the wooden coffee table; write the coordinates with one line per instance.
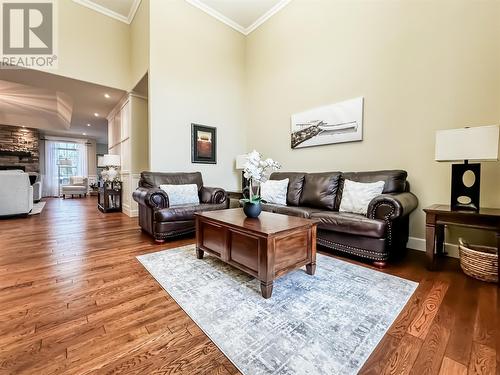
(266, 247)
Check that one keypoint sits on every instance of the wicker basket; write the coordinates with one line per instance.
(480, 262)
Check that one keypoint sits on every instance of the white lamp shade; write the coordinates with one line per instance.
(241, 160)
(478, 143)
(109, 160)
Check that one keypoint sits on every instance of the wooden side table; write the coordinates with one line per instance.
(437, 216)
(109, 196)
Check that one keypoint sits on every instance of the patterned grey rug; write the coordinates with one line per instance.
(328, 323)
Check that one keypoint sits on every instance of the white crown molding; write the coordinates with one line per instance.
(198, 4)
(133, 11)
(271, 12)
(107, 12)
(229, 22)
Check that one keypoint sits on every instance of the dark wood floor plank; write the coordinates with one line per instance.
(451, 367)
(75, 300)
(380, 356)
(404, 356)
(486, 322)
(420, 325)
(431, 354)
(460, 341)
(414, 306)
(483, 360)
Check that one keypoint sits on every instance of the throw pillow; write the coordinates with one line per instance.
(181, 194)
(356, 196)
(274, 191)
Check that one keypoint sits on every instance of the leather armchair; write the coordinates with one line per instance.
(213, 195)
(154, 198)
(163, 221)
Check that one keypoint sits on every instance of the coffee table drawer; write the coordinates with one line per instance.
(244, 250)
(212, 237)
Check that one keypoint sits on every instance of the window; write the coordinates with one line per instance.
(68, 157)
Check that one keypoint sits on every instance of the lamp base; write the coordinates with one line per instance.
(465, 196)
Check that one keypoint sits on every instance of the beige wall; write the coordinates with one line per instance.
(92, 47)
(139, 134)
(139, 44)
(420, 65)
(196, 75)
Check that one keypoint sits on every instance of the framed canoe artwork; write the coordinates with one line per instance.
(203, 144)
(335, 123)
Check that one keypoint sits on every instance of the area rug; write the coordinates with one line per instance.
(328, 323)
(37, 208)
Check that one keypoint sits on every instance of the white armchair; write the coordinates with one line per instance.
(16, 193)
(78, 185)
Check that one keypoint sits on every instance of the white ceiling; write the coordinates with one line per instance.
(243, 12)
(55, 104)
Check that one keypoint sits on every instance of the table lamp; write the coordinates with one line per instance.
(477, 143)
(241, 161)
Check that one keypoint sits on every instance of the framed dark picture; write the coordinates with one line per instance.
(203, 144)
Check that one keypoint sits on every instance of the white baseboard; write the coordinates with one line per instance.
(416, 243)
(131, 213)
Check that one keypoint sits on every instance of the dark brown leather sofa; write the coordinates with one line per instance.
(163, 221)
(378, 236)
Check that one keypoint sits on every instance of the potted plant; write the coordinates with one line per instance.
(255, 172)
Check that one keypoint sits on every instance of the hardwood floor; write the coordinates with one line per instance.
(74, 300)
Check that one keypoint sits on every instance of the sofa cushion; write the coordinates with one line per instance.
(274, 191)
(356, 196)
(185, 212)
(350, 223)
(320, 190)
(181, 194)
(295, 185)
(395, 180)
(304, 212)
(155, 179)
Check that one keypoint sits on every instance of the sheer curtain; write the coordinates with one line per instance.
(82, 168)
(50, 182)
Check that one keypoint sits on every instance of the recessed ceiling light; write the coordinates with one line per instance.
(107, 96)
(88, 125)
(96, 114)
(84, 133)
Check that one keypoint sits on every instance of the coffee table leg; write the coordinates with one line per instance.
(311, 268)
(266, 289)
(199, 253)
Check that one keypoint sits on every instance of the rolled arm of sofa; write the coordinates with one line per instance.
(154, 198)
(392, 206)
(213, 195)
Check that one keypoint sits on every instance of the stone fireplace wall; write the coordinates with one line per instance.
(20, 147)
